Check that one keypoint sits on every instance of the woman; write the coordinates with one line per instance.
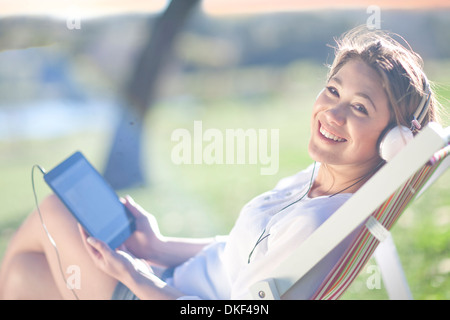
(373, 83)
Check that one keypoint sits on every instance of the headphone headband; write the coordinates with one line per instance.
(422, 108)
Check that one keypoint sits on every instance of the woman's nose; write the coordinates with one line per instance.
(336, 114)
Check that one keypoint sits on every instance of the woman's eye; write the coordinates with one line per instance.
(333, 91)
(360, 108)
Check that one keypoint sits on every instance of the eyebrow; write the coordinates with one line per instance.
(361, 94)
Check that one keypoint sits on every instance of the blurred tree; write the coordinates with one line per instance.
(124, 168)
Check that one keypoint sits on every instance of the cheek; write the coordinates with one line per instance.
(313, 115)
(319, 105)
(321, 100)
(366, 137)
(321, 92)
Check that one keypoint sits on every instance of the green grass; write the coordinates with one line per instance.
(205, 200)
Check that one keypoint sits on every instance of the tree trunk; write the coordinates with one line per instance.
(124, 167)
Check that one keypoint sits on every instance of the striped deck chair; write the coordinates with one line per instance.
(362, 248)
(377, 205)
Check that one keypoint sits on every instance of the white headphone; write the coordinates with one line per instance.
(395, 137)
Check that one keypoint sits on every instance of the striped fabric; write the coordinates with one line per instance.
(440, 155)
(364, 245)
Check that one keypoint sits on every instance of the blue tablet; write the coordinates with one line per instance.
(91, 200)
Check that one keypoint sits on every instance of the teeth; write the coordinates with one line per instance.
(331, 136)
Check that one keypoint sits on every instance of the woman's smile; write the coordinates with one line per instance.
(330, 135)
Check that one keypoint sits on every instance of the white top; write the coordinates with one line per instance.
(221, 270)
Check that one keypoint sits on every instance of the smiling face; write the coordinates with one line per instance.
(348, 117)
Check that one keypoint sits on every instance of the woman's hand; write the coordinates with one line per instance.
(148, 243)
(119, 264)
(134, 273)
(143, 243)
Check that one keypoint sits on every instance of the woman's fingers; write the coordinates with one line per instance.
(84, 235)
(117, 263)
(97, 249)
(136, 210)
(100, 246)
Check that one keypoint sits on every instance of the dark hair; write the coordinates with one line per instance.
(400, 68)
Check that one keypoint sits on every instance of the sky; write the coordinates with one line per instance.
(243, 6)
(92, 8)
(88, 8)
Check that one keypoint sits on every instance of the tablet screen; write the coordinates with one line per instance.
(90, 199)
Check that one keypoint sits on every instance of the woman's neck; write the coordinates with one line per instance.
(333, 180)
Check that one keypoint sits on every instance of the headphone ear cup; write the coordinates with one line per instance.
(393, 141)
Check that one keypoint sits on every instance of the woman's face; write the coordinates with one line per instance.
(348, 117)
